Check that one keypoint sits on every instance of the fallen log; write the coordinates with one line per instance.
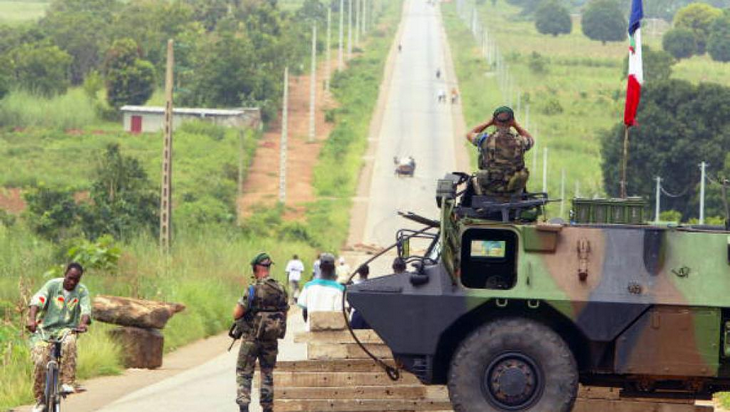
(133, 312)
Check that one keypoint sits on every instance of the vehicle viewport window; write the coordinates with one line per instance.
(488, 259)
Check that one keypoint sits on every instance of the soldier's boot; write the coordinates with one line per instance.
(267, 408)
(243, 408)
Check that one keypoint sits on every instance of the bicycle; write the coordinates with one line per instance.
(52, 392)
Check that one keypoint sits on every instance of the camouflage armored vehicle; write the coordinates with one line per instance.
(512, 313)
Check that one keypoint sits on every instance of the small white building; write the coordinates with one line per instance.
(144, 119)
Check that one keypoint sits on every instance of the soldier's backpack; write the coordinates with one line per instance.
(502, 151)
(269, 306)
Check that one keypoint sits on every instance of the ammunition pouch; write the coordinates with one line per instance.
(518, 181)
(269, 325)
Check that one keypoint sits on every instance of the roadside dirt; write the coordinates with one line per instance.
(11, 200)
(261, 188)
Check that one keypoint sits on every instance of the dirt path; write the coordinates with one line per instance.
(261, 188)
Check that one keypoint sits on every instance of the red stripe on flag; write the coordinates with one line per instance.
(633, 95)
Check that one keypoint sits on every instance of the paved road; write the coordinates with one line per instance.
(414, 124)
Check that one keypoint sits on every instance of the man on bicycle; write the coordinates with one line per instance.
(61, 304)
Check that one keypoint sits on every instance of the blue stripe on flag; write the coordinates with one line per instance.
(637, 13)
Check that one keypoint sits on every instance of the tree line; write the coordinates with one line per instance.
(227, 52)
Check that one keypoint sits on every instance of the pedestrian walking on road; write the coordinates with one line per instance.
(294, 269)
(356, 319)
(438, 73)
(316, 273)
(343, 271)
(323, 294)
(454, 95)
(261, 316)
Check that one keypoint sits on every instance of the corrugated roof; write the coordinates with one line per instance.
(186, 110)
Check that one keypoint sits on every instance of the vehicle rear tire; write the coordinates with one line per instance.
(510, 365)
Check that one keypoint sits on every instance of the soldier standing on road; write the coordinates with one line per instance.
(261, 314)
(502, 168)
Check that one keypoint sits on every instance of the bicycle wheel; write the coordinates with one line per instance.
(51, 391)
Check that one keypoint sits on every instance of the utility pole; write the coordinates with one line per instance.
(535, 152)
(577, 189)
(284, 138)
(313, 86)
(562, 192)
(166, 189)
(349, 29)
(703, 166)
(519, 102)
(544, 169)
(527, 116)
(340, 44)
(239, 210)
(357, 22)
(657, 202)
(328, 58)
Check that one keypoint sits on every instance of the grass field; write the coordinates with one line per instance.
(14, 12)
(579, 94)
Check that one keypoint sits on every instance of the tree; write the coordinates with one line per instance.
(41, 68)
(52, 213)
(129, 79)
(718, 44)
(680, 125)
(83, 36)
(697, 17)
(680, 42)
(657, 64)
(603, 20)
(552, 18)
(124, 201)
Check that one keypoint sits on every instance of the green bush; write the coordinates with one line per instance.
(698, 18)
(129, 79)
(552, 18)
(42, 69)
(603, 20)
(718, 44)
(680, 42)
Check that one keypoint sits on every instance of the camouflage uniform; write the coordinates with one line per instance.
(502, 168)
(59, 312)
(266, 304)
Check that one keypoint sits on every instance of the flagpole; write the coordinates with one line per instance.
(624, 162)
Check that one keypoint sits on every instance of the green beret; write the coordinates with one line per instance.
(261, 258)
(504, 109)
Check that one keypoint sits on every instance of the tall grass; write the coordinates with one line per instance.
(72, 110)
(16, 12)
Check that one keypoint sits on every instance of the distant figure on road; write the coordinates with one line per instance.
(400, 47)
(61, 304)
(315, 267)
(441, 96)
(261, 314)
(502, 170)
(438, 73)
(454, 95)
(294, 269)
(356, 319)
(343, 271)
(323, 294)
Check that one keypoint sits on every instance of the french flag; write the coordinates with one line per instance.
(636, 69)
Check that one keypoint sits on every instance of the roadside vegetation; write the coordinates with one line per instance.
(74, 167)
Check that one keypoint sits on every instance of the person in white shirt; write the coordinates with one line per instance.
(294, 269)
(343, 271)
(323, 294)
(315, 267)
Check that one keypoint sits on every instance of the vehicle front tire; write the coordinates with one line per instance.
(510, 365)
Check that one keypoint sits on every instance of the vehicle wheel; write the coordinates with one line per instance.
(511, 365)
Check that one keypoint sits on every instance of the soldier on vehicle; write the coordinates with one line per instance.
(63, 304)
(502, 168)
(261, 315)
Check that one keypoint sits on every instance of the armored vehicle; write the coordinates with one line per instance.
(512, 312)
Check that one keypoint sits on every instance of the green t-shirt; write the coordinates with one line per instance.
(59, 310)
